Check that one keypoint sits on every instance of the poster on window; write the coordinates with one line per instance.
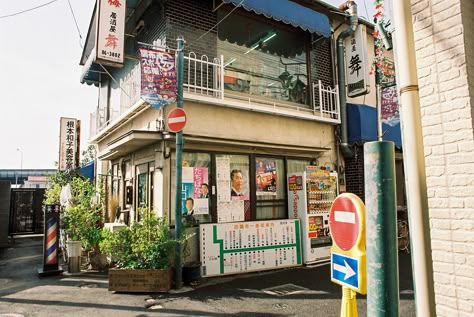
(195, 191)
(158, 77)
(266, 177)
(232, 191)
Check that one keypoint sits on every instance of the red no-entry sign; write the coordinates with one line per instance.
(176, 120)
(344, 222)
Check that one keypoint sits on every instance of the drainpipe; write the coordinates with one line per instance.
(350, 6)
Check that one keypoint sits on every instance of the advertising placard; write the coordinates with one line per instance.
(357, 71)
(232, 248)
(110, 32)
(68, 144)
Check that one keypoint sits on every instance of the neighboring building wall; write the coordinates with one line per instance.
(444, 52)
(354, 173)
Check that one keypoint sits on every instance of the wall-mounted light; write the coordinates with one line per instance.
(267, 38)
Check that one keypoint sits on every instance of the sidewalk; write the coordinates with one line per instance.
(85, 294)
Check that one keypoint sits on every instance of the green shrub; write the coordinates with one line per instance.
(146, 244)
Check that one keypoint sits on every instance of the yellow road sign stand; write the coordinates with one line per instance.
(349, 304)
(357, 252)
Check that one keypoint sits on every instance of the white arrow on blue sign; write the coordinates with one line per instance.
(345, 269)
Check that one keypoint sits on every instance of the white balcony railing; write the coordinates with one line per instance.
(205, 78)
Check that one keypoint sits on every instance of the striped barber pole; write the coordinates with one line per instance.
(51, 238)
(50, 242)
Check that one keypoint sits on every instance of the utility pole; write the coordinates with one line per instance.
(179, 168)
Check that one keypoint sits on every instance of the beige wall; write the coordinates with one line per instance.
(444, 50)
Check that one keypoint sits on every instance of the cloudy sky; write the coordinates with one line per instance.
(39, 81)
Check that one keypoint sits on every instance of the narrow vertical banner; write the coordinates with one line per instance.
(158, 77)
(68, 144)
(51, 241)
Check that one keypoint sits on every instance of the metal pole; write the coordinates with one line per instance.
(179, 169)
(413, 159)
(381, 229)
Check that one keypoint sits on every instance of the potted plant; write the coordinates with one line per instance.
(82, 221)
(144, 254)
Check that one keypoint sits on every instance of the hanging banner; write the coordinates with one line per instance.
(158, 74)
(68, 144)
(110, 32)
(266, 177)
(389, 109)
(357, 71)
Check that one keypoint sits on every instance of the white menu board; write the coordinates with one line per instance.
(231, 248)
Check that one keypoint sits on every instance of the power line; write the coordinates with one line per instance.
(27, 10)
(75, 21)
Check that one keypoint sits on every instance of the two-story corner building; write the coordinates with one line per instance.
(260, 95)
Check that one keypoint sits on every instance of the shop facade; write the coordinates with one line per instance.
(261, 103)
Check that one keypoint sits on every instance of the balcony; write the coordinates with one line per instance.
(214, 82)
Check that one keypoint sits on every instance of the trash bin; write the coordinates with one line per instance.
(74, 251)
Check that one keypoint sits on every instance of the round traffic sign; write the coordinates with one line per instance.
(176, 120)
(344, 220)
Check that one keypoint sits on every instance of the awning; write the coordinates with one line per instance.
(87, 170)
(362, 126)
(128, 143)
(91, 71)
(289, 13)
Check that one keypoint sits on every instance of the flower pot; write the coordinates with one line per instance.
(74, 252)
(74, 248)
(191, 272)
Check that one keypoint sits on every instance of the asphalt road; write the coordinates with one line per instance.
(22, 292)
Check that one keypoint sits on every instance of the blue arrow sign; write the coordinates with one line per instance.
(345, 270)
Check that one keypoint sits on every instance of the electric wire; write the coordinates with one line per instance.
(75, 22)
(27, 10)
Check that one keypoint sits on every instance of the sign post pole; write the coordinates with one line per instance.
(382, 250)
(51, 242)
(179, 169)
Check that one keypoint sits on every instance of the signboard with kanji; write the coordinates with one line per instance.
(68, 144)
(357, 70)
(241, 247)
(110, 35)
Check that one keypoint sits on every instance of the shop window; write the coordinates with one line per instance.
(263, 59)
(270, 180)
(195, 188)
(145, 174)
(115, 181)
(296, 166)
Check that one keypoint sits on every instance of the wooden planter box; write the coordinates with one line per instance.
(146, 281)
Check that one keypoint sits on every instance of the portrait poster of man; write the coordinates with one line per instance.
(239, 184)
(266, 177)
(194, 183)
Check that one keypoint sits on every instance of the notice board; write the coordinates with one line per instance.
(240, 247)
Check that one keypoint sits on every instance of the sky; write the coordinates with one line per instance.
(39, 78)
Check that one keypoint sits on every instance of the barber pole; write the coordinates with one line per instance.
(51, 241)
(51, 237)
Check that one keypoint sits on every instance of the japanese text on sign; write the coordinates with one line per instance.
(111, 31)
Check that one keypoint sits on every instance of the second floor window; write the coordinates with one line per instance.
(263, 59)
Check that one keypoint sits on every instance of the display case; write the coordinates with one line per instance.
(310, 196)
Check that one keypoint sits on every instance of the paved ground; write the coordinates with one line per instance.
(85, 294)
